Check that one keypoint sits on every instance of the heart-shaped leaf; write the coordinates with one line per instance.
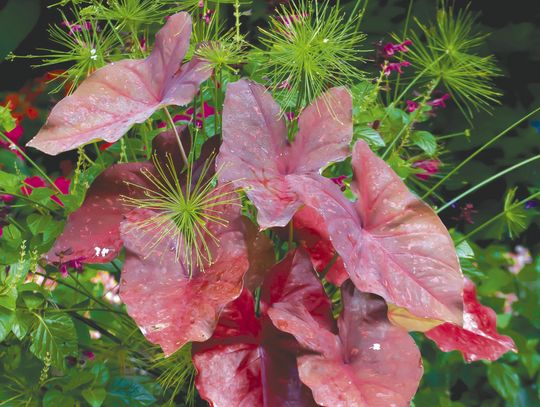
(171, 304)
(391, 242)
(368, 362)
(256, 154)
(123, 93)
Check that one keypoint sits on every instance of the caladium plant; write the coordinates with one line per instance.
(123, 93)
(197, 271)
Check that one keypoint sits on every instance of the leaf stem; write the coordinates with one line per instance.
(486, 145)
(496, 217)
(487, 181)
(182, 151)
(12, 144)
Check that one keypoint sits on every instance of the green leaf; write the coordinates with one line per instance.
(126, 392)
(7, 317)
(101, 374)
(22, 324)
(370, 135)
(504, 380)
(7, 121)
(55, 398)
(425, 140)
(94, 397)
(54, 337)
(8, 297)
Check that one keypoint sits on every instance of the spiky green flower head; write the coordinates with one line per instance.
(83, 47)
(308, 47)
(224, 53)
(131, 14)
(516, 218)
(448, 56)
(185, 212)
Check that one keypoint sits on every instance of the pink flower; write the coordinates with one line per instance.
(520, 259)
(6, 198)
(75, 264)
(412, 106)
(390, 49)
(75, 28)
(439, 102)
(430, 167)
(395, 66)
(289, 20)
(465, 213)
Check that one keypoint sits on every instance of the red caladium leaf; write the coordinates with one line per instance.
(391, 242)
(256, 155)
(123, 93)
(92, 232)
(171, 304)
(248, 362)
(478, 338)
(310, 230)
(368, 362)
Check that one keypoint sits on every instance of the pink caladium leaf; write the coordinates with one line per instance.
(257, 156)
(174, 305)
(391, 242)
(366, 362)
(123, 93)
(248, 362)
(310, 231)
(478, 338)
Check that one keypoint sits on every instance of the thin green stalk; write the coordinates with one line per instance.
(487, 181)
(329, 265)
(405, 28)
(452, 135)
(496, 217)
(25, 198)
(173, 126)
(409, 125)
(53, 185)
(486, 145)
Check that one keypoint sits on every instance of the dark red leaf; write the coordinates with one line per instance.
(248, 362)
(368, 362)
(391, 242)
(478, 339)
(256, 155)
(92, 232)
(123, 93)
(310, 231)
(171, 307)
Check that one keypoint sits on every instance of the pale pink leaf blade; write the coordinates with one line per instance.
(123, 93)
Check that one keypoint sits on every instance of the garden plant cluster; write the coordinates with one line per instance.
(207, 214)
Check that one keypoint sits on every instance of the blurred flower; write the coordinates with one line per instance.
(412, 106)
(395, 66)
(509, 299)
(439, 102)
(110, 285)
(75, 264)
(520, 258)
(431, 167)
(339, 181)
(390, 49)
(465, 213)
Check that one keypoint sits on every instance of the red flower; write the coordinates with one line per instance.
(431, 167)
(412, 106)
(390, 49)
(395, 66)
(30, 183)
(439, 102)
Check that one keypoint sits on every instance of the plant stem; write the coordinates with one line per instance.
(487, 181)
(12, 144)
(496, 217)
(405, 28)
(486, 145)
(182, 151)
